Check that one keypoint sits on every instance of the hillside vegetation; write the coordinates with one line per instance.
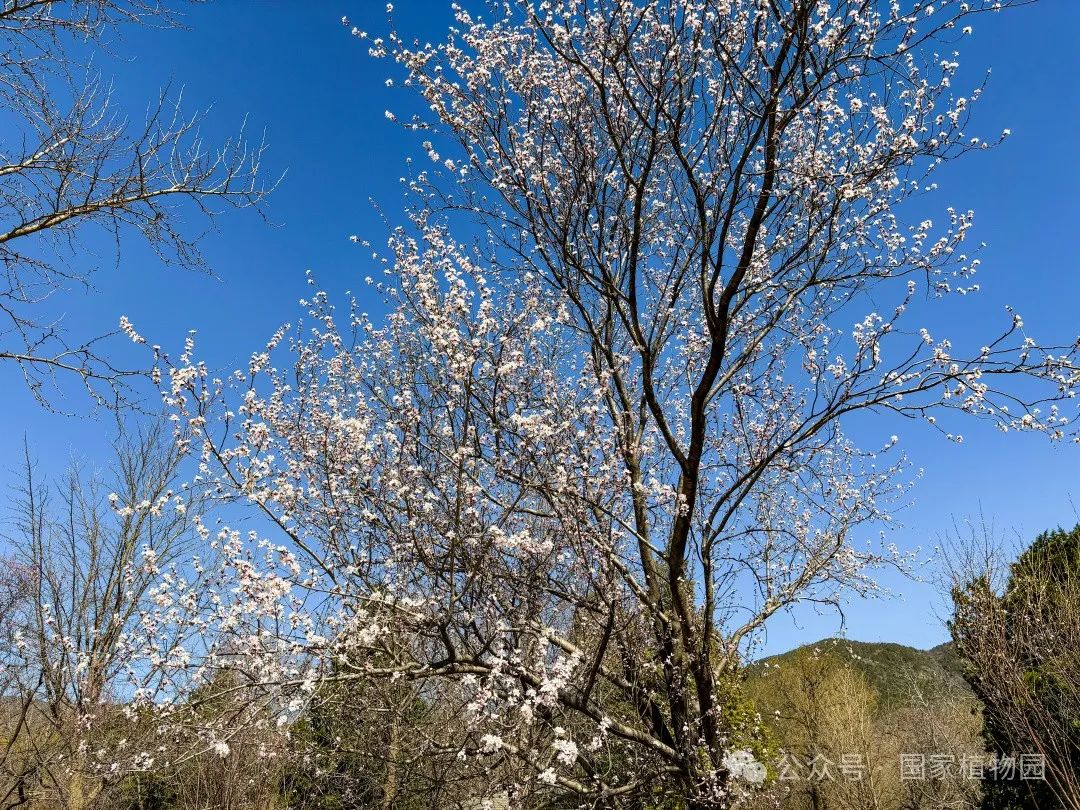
(890, 669)
(845, 717)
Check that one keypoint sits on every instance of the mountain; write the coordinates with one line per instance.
(892, 670)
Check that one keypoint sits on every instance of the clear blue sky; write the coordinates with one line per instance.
(292, 69)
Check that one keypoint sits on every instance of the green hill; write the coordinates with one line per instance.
(894, 671)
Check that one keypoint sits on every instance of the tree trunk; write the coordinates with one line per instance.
(390, 782)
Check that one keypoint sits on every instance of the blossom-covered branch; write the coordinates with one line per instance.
(584, 461)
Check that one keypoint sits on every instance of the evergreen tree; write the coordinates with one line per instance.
(1027, 630)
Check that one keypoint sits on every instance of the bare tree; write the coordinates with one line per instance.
(825, 718)
(71, 162)
(942, 728)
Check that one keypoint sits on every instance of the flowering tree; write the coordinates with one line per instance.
(586, 459)
(78, 579)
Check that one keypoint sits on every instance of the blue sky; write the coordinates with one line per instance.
(293, 70)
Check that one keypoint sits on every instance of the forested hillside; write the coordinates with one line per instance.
(845, 716)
